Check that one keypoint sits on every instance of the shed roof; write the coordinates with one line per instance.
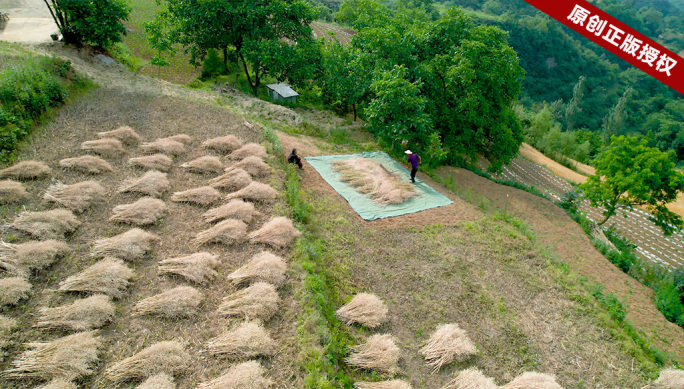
(283, 90)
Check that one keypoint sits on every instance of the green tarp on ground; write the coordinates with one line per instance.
(427, 197)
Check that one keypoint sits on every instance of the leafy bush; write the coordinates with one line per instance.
(212, 66)
(668, 301)
(99, 23)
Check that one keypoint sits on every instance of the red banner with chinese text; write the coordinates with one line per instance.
(618, 38)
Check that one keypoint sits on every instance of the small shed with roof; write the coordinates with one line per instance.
(282, 93)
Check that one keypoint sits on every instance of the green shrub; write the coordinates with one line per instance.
(668, 301)
(212, 66)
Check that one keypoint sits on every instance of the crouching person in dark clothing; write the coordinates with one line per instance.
(294, 158)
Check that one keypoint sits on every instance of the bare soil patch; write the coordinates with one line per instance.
(537, 157)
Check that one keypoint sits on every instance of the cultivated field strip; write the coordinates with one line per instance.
(323, 30)
(652, 244)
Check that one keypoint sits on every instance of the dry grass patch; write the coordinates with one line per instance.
(87, 164)
(248, 340)
(164, 357)
(153, 183)
(532, 380)
(7, 326)
(53, 224)
(199, 267)
(144, 212)
(223, 144)
(182, 301)
(159, 162)
(206, 164)
(12, 192)
(279, 232)
(109, 276)
(165, 146)
(471, 379)
(254, 191)
(81, 315)
(26, 170)
(263, 267)
(670, 379)
(107, 147)
(70, 357)
(372, 179)
(233, 180)
(379, 353)
(245, 375)
(249, 150)
(77, 197)
(59, 383)
(229, 231)
(259, 301)
(13, 289)
(158, 381)
(364, 308)
(449, 343)
(130, 246)
(204, 195)
(125, 134)
(255, 166)
(393, 384)
(182, 138)
(33, 255)
(234, 209)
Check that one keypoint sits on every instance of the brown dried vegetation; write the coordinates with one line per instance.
(153, 183)
(12, 192)
(245, 375)
(223, 144)
(259, 301)
(87, 164)
(279, 232)
(167, 357)
(125, 134)
(109, 276)
(370, 178)
(204, 195)
(76, 197)
(250, 149)
(248, 340)
(471, 379)
(182, 301)
(144, 212)
(393, 384)
(532, 380)
(254, 191)
(81, 315)
(107, 147)
(13, 289)
(130, 246)
(234, 209)
(34, 255)
(264, 267)
(364, 308)
(199, 267)
(233, 180)
(379, 353)
(206, 164)
(158, 162)
(53, 224)
(166, 146)
(26, 170)
(228, 232)
(255, 166)
(449, 343)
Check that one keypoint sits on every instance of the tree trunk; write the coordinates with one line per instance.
(354, 109)
(255, 84)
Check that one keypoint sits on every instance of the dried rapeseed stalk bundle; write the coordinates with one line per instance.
(233, 180)
(264, 267)
(182, 138)
(224, 144)
(254, 191)
(670, 379)
(153, 183)
(249, 340)
(249, 150)
(130, 246)
(255, 166)
(13, 289)
(259, 301)
(7, 326)
(34, 255)
(12, 192)
(204, 195)
(81, 315)
(77, 197)
(364, 308)
(53, 224)
(125, 134)
(206, 164)
(393, 384)
(70, 357)
(143, 212)
(378, 353)
(447, 344)
(107, 147)
(471, 379)
(199, 267)
(245, 375)
(234, 209)
(164, 357)
(532, 380)
(26, 170)
(182, 301)
(370, 178)
(59, 383)
(279, 232)
(152, 162)
(158, 381)
(166, 146)
(229, 231)
(109, 276)
(87, 164)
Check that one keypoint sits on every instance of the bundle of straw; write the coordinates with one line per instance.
(87, 164)
(53, 224)
(12, 192)
(533, 380)
(26, 170)
(143, 212)
(471, 379)
(13, 289)
(83, 314)
(670, 379)
(228, 232)
(77, 197)
(224, 144)
(245, 375)
(158, 162)
(447, 344)
(34, 255)
(109, 276)
(249, 340)
(107, 147)
(59, 383)
(364, 308)
(164, 357)
(158, 381)
(259, 301)
(125, 134)
(130, 246)
(255, 166)
(264, 267)
(199, 267)
(206, 164)
(182, 138)
(165, 146)
(182, 301)
(153, 183)
(279, 232)
(233, 180)
(254, 191)
(249, 150)
(378, 353)
(204, 195)
(370, 178)
(234, 209)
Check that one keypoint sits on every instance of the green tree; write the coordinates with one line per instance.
(348, 75)
(628, 174)
(615, 119)
(95, 22)
(363, 14)
(574, 106)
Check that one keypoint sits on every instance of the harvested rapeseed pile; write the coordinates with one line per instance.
(670, 379)
(13, 289)
(259, 301)
(33, 255)
(393, 384)
(144, 212)
(371, 179)
(158, 162)
(12, 192)
(53, 224)
(248, 340)
(87, 164)
(81, 315)
(182, 138)
(165, 146)
(265, 267)
(254, 191)
(125, 134)
(279, 232)
(130, 246)
(245, 375)
(199, 267)
(182, 301)
(204, 195)
(153, 183)
(164, 357)
(249, 150)
(26, 170)
(59, 383)
(109, 276)
(255, 166)
(206, 164)
(158, 381)
(228, 232)
(107, 147)
(532, 380)
(224, 144)
(364, 308)
(379, 353)
(76, 197)
(449, 343)
(233, 180)
(471, 379)
(234, 209)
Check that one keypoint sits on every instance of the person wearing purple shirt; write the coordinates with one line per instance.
(414, 161)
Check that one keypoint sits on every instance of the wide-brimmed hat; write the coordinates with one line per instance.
(408, 152)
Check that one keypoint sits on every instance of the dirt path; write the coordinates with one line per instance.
(30, 21)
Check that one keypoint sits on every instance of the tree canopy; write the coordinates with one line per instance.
(95, 22)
